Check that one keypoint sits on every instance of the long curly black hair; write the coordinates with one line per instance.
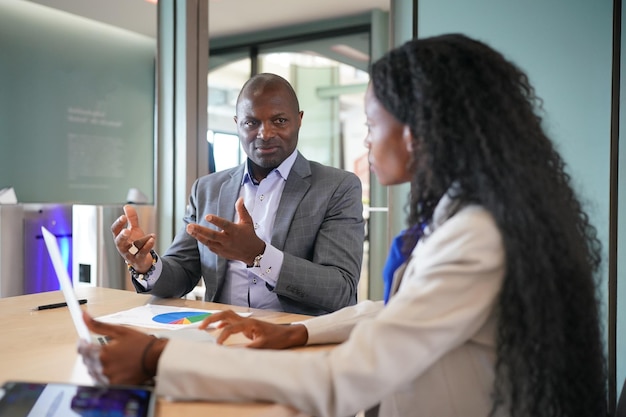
(475, 120)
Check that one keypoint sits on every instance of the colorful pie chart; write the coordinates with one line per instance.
(181, 317)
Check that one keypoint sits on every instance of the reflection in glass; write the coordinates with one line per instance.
(227, 147)
(225, 80)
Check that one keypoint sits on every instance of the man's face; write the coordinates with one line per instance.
(268, 121)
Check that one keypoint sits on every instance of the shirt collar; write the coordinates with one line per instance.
(283, 169)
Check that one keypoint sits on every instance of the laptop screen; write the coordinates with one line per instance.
(66, 284)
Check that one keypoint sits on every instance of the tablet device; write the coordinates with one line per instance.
(36, 399)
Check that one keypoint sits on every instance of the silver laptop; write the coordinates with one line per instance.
(68, 290)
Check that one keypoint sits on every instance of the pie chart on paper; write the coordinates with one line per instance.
(181, 317)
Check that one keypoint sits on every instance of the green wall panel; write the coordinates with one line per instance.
(77, 107)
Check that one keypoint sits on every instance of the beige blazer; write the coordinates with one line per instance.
(429, 352)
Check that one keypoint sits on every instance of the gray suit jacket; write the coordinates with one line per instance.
(319, 227)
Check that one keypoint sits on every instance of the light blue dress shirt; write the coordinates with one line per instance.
(253, 287)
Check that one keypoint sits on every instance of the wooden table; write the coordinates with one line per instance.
(40, 346)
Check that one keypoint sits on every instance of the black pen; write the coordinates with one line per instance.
(57, 305)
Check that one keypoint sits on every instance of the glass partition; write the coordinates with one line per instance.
(226, 76)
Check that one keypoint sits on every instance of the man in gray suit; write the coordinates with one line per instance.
(278, 232)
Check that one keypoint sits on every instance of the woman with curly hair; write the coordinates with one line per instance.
(493, 313)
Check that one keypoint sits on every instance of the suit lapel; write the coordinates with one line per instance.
(296, 186)
(229, 192)
(397, 278)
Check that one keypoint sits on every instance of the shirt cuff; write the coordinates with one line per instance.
(271, 264)
(149, 282)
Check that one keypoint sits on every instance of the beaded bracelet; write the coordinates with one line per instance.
(143, 276)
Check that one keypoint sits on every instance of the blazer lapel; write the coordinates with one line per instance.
(229, 192)
(397, 278)
(296, 187)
